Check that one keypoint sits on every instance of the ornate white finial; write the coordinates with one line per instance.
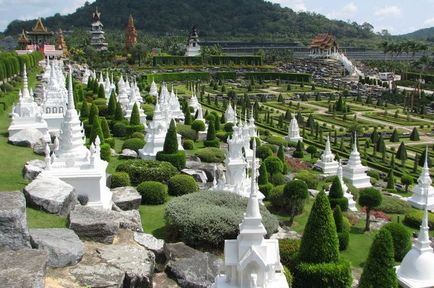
(214, 182)
(56, 143)
(355, 142)
(71, 104)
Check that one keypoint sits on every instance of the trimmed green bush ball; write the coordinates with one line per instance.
(188, 144)
(133, 144)
(176, 159)
(106, 152)
(120, 129)
(153, 193)
(138, 135)
(182, 184)
(401, 239)
(211, 155)
(147, 170)
(120, 179)
(263, 152)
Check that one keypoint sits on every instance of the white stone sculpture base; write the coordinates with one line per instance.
(279, 281)
(16, 126)
(418, 199)
(151, 148)
(357, 176)
(294, 139)
(328, 168)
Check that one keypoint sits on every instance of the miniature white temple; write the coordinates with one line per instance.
(327, 163)
(230, 114)
(123, 97)
(251, 260)
(417, 267)
(347, 194)
(73, 163)
(235, 179)
(423, 187)
(293, 131)
(354, 171)
(26, 114)
(153, 91)
(175, 107)
(156, 134)
(248, 131)
(54, 99)
(133, 99)
(193, 48)
(193, 102)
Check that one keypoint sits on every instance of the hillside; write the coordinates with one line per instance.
(214, 18)
(422, 34)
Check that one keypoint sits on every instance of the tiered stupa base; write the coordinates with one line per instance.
(17, 126)
(151, 148)
(328, 168)
(418, 200)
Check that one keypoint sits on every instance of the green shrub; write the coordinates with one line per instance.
(342, 228)
(275, 197)
(153, 193)
(188, 144)
(111, 142)
(119, 129)
(211, 155)
(138, 135)
(135, 128)
(120, 179)
(295, 194)
(315, 275)
(266, 189)
(288, 248)
(369, 198)
(229, 127)
(393, 205)
(263, 152)
(212, 143)
(277, 179)
(133, 144)
(379, 270)
(147, 170)
(373, 174)
(207, 218)
(311, 179)
(186, 132)
(182, 184)
(274, 165)
(276, 140)
(106, 152)
(336, 195)
(288, 276)
(176, 159)
(222, 136)
(414, 218)
(401, 239)
(298, 153)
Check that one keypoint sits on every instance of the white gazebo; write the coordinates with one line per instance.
(354, 171)
(423, 187)
(327, 163)
(251, 260)
(293, 131)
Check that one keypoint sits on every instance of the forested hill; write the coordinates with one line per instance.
(213, 17)
(423, 34)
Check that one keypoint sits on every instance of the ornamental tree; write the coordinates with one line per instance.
(414, 136)
(390, 180)
(198, 125)
(395, 136)
(112, 105)
(406, 180)
(379, 270)
(369, 198)
(401, 154)
(336, 195)
(171, 140)
(119, 113)
(135, 115)
(294, 197)
(84, 111)
(105, 128)
(93, 112)
(298, 153)
(101, 92)
(96, 130)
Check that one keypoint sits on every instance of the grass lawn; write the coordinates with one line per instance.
(153, 219)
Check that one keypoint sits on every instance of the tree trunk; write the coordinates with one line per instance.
(368, 214)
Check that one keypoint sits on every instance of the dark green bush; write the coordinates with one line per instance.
(229, 127)
(277, 179)
(414, 218)
(119, 129)
(211, 155)
(135, 128)
(275, 197)
(276, 140)
(288, 248)
(133, 144)
(207, 218)
(147, 170)
(153, 193)
(188, 144)
(212, 143)
(186, 132)
(274, 165)
(110, 141)
(182, 184)
(138, 135)
(266, 189)
(176, 159)
(311, 179)
(401, 239)
(263, 152)
(223, 136)
(288, 276)
(120, 179)
(106, 152)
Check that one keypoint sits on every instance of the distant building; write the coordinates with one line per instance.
(97, 39)
(193, 48)
(130, 34)
(61, 43)
(39, 35)
(323, 45)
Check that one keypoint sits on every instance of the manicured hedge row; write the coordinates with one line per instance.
(177, 76)
(147, 170)
(295, 77)
(11, 64)
(206, 60)
(221, 75)
(429, 78)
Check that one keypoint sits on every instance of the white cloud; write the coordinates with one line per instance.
(388, 11)
(350, 8)
(347, 10)
(429, 22)
(296, 5)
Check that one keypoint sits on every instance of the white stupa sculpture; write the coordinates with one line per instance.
(236, 179)
(246, 132)
(26, 114)
(293, 131)
(193, 102)
(252, 127)
(354, 171)
(175, 107)
(133, 100)
(153, 91)
(86, 75)
(251, 260)
(123, 94)
(423, 187)
(156, 134)
(107, 87)
(230, 114)
(417, 267)
(78, 166)
(347, 194)
(54, 102)
(327, 162)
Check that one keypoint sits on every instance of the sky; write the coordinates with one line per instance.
(397, 16)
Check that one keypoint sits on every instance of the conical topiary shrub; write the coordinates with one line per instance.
(94, 111)
(414, 136)
(96, 130)
(170, 151)
(135, 116)
(119, 114)
(336, 195)
(111, 110)
(342, 228)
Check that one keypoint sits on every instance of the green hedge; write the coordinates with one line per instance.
(211, 155)
(153, 193)
(120, 179)
(176, 159)
(414, 219)
(293, 77)
(222, 75)
(133, 144)
(181, 185)
(176, 76)
(147, 170)
(288, 248)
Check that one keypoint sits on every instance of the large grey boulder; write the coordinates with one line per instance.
(137, 263)
(27, 137)
(13, 223)
(155, 245)
(189, 267)
(23, 268)
(128, 154)
(126, 198)
(51, 194)
(198, 175)
(63, 245)
(208, 168)
(33, 168)
(102, 225)
(98, 275)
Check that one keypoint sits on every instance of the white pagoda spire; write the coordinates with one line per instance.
(153, 91)
(347, 194)
(26, 93)
(423, 188)
(293, 131)
(355, 171)
(327, 162)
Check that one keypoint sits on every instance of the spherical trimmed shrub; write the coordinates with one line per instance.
(211, 155)
(119, 129)
(147, 170)
(106, 152)
(182, 184)
(207, 218)
(138, 135)
(275, 197)
(229, 127)
(277, 179)
(401, 239)
(120, 179)
(263, 152)
(212, 143)
(336, 195)
(153, 193)
(274, 165)
(133, 144)
(188, 144)
(176, 159)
